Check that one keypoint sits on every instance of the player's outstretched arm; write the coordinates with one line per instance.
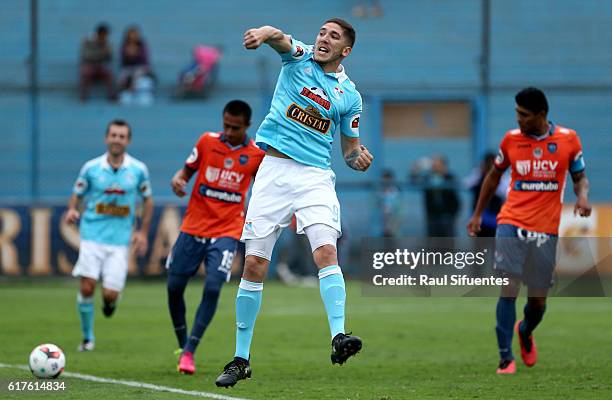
(581, 189)
(275, 38)
(489, 185)
(355, 154)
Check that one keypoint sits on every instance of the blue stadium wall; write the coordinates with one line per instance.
(418, 49)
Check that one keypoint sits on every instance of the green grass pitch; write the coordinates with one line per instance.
(414, 348)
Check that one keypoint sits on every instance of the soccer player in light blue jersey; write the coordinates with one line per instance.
(110, 185)
(313, 99)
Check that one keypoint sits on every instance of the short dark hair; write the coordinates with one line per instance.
(119, 122)
(532, 99)
(237, 108)
(102, 28)
(348, 29)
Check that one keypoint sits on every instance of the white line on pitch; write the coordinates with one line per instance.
(134, 384)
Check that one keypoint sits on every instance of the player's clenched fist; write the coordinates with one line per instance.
(364, 160)
(473, 226)
(72, 216)
(253, 38)
(178, 185)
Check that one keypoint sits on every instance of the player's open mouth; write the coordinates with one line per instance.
(323, 49)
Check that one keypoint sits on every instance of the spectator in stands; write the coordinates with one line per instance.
(197, 78)
(96, 55)
(136, 79)
(442, 202)
(365, 8)
(473, 182)
(389, 203)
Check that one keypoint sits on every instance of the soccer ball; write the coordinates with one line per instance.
(47, 361)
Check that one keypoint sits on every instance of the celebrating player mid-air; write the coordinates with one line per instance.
(539, 154)
(313, 98)
(225, 162)
(110, 183)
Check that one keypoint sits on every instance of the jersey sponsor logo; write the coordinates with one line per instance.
(212, 174)
(310, 117)
(529, 236)
(112, 210)
(538, 168)
(243, 159)
(228, 197)
(317, 95)
(224, 177)
(552, 147)
(231, 176)
(536, 186)
(193, 156)
(114, 190)
(355, 122)
(545, 168)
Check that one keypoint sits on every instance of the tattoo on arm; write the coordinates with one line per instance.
(351, 159)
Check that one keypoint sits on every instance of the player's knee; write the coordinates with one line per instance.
(323, 240)
(176, 284)
(88, 287)
(212, 288)
(512, 289)
(255, 268)
(325, 255)
(537, 302)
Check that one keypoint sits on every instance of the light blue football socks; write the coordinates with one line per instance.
(333, 293)
(248, 302)
(85, 306)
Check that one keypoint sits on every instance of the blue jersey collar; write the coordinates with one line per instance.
(551, 131)
(223, 138)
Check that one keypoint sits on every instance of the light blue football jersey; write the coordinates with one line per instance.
(307, 108)
(110, 198)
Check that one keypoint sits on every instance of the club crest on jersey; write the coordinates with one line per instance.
(228, 163)
(212, 174)
(552, 147)
(523, 167)
(317, 95)
(243, 159)
(310, 117)
(537, 152)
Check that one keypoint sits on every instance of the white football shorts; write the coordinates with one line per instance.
(109, 262)
(284, 187)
